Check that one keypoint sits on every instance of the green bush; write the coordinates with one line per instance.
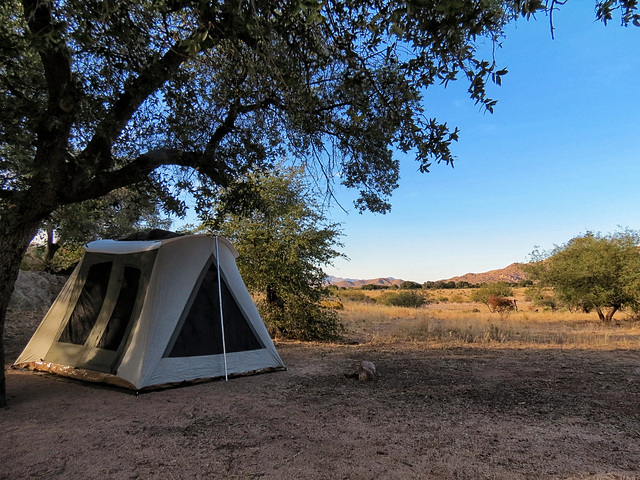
(404, 298)
(372, 286)
(547, 303)
(355, 296)
(491, 290)
(301, 319)
(533, 294)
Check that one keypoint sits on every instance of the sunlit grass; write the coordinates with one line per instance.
(468, 324)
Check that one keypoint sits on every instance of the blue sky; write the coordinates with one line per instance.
(560, 156)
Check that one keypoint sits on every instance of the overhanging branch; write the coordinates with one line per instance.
(140, 168)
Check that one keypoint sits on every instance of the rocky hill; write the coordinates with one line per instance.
(513, 273)
(353, 283)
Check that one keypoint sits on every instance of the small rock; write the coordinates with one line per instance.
(365, 371)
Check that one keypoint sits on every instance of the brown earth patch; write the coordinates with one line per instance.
(464, 413)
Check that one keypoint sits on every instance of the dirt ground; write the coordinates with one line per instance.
(463, 413)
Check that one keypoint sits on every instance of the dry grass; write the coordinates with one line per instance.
(467, 324)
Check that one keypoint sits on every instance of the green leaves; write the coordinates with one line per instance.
(593, 271)
(528, 8)
(628, 9)
(283, 243)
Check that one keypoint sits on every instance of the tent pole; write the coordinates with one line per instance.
(224, 346)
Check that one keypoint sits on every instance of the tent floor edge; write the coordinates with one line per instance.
(78, 374)
(197, 381)
(115, 381)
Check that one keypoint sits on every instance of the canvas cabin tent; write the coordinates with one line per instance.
(145, 313)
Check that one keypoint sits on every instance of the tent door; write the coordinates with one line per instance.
(96, 329)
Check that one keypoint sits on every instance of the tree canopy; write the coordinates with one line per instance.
(593, 272)
(192, 95)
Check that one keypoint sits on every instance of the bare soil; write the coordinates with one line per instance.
(432, 413)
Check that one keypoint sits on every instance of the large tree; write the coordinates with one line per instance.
(189, 94)
(283, 243)
(593, 271)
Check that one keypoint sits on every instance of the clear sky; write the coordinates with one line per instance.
(560, 156)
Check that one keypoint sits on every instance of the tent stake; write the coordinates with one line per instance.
(224, 346)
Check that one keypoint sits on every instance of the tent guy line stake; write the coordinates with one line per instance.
(224, 346)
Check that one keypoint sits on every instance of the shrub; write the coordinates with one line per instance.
(457, 298)
(356, 296)
(633, 315)
(332, 304)
(405, 298)
(533, 294)
(301, 320)
(502, 305)
(547, 303)
(372, 286)
(486, 292)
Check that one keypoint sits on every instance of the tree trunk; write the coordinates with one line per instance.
(52, 247)
(609, 317)
(14, 240)
(273, 298)
(606, 318)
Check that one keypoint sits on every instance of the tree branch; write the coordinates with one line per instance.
(551, 9)
(227, 125)
(140, 168)
(134, 94)
(48, 41)
(143, 86)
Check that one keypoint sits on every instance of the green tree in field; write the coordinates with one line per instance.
(489, 293)
(283, 244)
(190, 95)
(593, 272)
(409, 285)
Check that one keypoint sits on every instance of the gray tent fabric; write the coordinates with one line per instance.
(140, 314)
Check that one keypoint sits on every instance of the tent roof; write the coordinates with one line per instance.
(133, 246)
(121, 246)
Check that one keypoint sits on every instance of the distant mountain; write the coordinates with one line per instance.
(353, 283)
(513, 273)
(332, 280)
